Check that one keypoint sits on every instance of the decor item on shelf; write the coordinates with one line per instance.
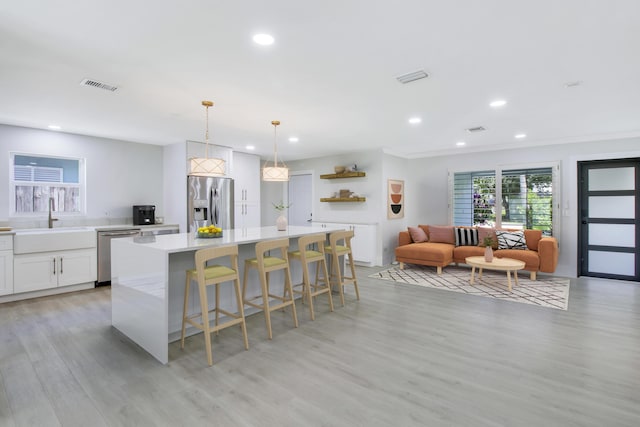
(488, 250)
(205, 166)
(339, 169)
(275, 172)
(281, 221)
(395, 199)
(344, 193)
(352, 168)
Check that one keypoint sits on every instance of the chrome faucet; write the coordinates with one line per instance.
(51, 208)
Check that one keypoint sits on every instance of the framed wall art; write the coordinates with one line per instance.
(395, 199)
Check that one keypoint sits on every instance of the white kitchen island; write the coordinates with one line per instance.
(148, 278)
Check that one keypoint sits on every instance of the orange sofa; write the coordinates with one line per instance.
(541, 253)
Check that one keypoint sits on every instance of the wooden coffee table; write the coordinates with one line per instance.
(502, 264)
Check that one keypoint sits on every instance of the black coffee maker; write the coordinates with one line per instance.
(144, 214)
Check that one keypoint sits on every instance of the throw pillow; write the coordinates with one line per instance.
(466, 236)
(487, 232)
(441, 234)
(417, 234)
(511, 239)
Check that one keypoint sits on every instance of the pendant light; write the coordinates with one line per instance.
(205, 166)
(275, 173)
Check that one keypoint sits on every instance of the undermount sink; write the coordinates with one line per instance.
(53, 239)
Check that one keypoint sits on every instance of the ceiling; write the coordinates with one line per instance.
(330, 76)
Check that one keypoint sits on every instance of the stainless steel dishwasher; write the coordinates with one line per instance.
(104, 251)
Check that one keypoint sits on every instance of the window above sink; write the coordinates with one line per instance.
(37, 179)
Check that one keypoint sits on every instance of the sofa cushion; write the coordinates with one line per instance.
(466, 236)
(487, 232)
(417, 234)
(440, 253)
(461, 252)
(441, 234)
(530, 258)
(511, 239)
(533, 238)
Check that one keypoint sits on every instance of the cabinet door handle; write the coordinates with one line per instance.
(54, 266)
(61, 268)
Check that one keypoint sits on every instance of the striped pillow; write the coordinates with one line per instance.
(511, 239)
(466, 236)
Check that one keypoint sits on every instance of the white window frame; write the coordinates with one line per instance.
(81, 185)
(555, 180)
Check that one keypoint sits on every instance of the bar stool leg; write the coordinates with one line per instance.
(287, 283)
(353, 276)
(265, 301)
(306, 287)
(327, 281)
(336, 265)
(187, 285)
(204, 309)
(240, 303)
(217, 306)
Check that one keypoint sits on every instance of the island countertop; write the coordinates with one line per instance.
(181, 242)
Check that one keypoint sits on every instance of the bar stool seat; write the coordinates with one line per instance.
(336, 250)
(309, 256)
(215, 275)
(265, 264)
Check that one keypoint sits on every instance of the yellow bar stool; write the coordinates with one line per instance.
(340, 245)
(265, 264)
(213, 275)
(307, 255)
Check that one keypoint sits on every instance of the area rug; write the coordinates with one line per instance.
(551, 292)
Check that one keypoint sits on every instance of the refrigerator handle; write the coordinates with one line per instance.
(216, 207)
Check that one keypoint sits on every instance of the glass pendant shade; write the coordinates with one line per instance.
(273, 171)
(206, 166)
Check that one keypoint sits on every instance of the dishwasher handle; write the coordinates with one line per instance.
(119, 233)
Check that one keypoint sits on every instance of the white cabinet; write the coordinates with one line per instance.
(6, 265)
(363, 243)
(47, 270)
(246, 176)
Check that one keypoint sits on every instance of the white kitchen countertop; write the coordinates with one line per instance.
(181, 242)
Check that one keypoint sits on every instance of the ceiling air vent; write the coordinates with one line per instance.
(99, 85)
(412, 77)
(476, 129)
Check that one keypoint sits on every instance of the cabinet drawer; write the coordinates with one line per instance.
(6, 243)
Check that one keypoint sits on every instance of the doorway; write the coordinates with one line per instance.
(300, 191)
(609, 223)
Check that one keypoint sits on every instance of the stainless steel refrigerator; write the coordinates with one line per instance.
(210, 202)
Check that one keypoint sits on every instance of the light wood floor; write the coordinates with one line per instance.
(402, 356)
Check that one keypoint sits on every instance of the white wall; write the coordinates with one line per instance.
(119, 174)
(368, 186)
(428, 185)
(393, 168)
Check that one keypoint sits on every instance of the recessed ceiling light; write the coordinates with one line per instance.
(415, 120)
(263, 39)
(520, 135)
(250, 147)
(498, 103)
(54, 127)
(573, 84)
(461, 143)
(294, 139)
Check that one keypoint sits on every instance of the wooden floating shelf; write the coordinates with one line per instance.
(343, 175)
(344, 199)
